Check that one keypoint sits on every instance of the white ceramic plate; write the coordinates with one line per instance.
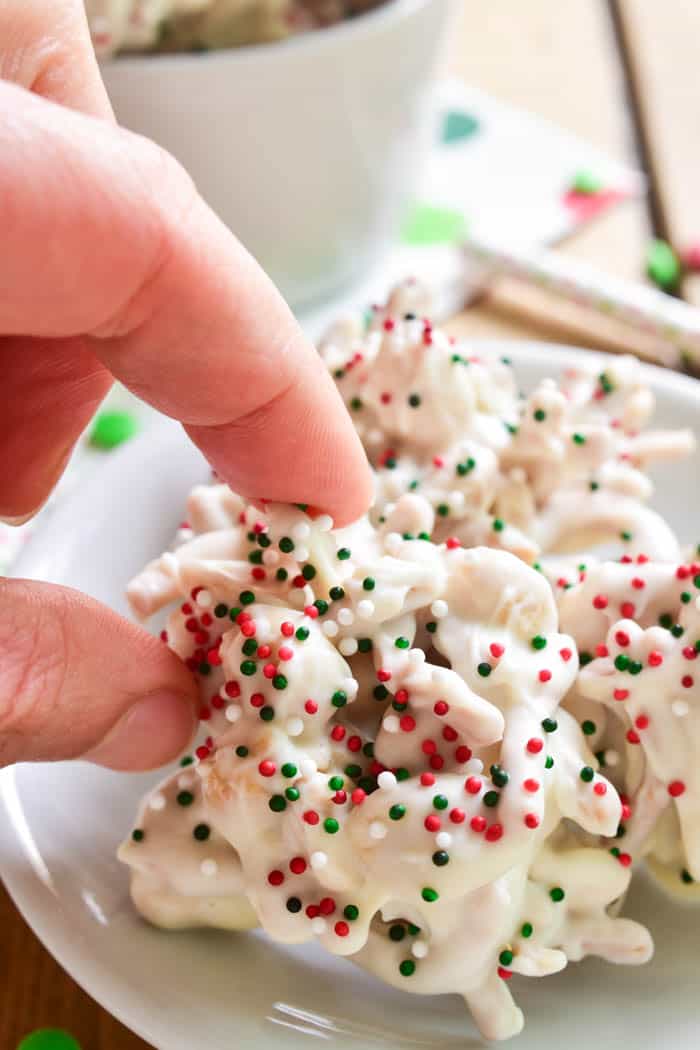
(60, 826)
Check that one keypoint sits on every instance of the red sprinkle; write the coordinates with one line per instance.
(311, 707)
(531, 784)
(449, 734)
(534, 745)
(338, 732)
(531, 821)
(687, 681)
(407, 723)
(545, 675)
(452, 543)
(621, 694)
(354, 743)
(627, 609)
(676, 788)
(496, 650)
(428, 747)
(494, 832)
(436, 762)
(427, 779)
(641, 721)
(232, 689)
(275, 878)
(472, 785)
(326, 906)
(690, 652)
(311, 817)
(257, 700)
(655, 659)
(432, 822)
(383, 675)
(463, 753)
(441, 708)
(267, 768)
(600, 602)
(504, 974)
(632, 736)
(358, 796)
(342, 929)
(625, 859)
(457, 816)
(565, 654)
(477, 823)
(401, 696)
(622, 638)
(297, 865)
(202, 753)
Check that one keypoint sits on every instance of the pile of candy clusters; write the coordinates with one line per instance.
(186, 25)
(435, 741)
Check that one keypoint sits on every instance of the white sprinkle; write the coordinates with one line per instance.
(300, 531)
(329, 628)
(157, 802)
(263, 629)
(301, 553)
(386, 780)
(680, 708)
(348, 646)
(443, 840)
(205, 599)
(209, 868)
(391, 724)
(324, 522)
(365, 609)
(419, 949)
(612, 758)
(346, 617)
(295, 726)
(308, 767)
(393, 542)
(389, 509)
(233, 712)
(473, 766)
(439, 609)
(416, 656)
(377, 830)
(456, 500)
(318, 925)
(270, 556)
(185, 781)
(318, 860)
(350, 687)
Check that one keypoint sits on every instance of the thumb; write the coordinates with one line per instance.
(77, 680)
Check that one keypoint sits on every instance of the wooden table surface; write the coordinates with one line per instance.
(621, 73)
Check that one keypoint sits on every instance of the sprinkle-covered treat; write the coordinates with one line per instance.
(436, 741)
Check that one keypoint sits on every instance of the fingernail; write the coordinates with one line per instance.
(150, 734)
(15, 522)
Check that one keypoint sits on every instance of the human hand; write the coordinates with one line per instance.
(113, 266)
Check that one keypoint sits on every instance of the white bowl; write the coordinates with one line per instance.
(308, 149)
(203, 990)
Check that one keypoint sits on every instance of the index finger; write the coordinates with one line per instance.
(105, 235)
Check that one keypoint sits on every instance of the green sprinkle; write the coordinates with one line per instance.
(204, 668)
(414, 400)
(264, 540)
(353, 771)
(538, 642)
(605, 383)
(291, 794)
(138, 835)
(402, 643)
(368, 584)
(491, 798)
(364, 645)
(380, 692)
(407, 968)
(585, 182)
(339, 698)
(322, 606)
(578, 439)
(557, 894)
(249, 667)
(356, 404)
(484, 669)
(282, 575)
(187, 760)
(431, 627)
(402, 773)
(49, 1039)
(526, 930)
(498, 525)
(336, 783)
(666, 620)
(677, 631)
(250, 646)
(440, 802)
(686, 877)
(550, 725)
(397, 812)
(336, 594)
(308, 572)
(331, 825)
(663, 265)
(286, 545)
(635, 667)
(185, 798)
(351, 912)
(626, 536)
(685, 597)
(343, 554)
(280, 682)
(267, 713)
(622, 662)
(242, 751)
(548, 762)
(466, 467)
(112, 428)
(289, 770)
(587, 774)
(246, 597)
(593, 486)
(202, 832)
(429, 894)
(443, 510)
(413, 930)
(397, 932)
(255, 557)
(368, 749)
(499, 776)
(588, 727)
(277, 803)
(506, 957)
(302, 633)
(539, 415)
(440, 858)
(220, 610)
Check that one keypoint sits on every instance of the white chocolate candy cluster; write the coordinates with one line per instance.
(386, 768)
(402, 757)
(184, 25)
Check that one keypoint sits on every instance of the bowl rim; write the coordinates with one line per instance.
(367, 23)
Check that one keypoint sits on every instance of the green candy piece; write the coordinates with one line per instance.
(663, 266)
(112, 428)
(458, 126)
(49, 1039)
(586, 182)
(432, 225)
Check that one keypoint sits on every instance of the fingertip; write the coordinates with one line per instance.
(152, 732)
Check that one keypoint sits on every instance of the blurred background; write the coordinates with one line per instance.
(393, 174)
